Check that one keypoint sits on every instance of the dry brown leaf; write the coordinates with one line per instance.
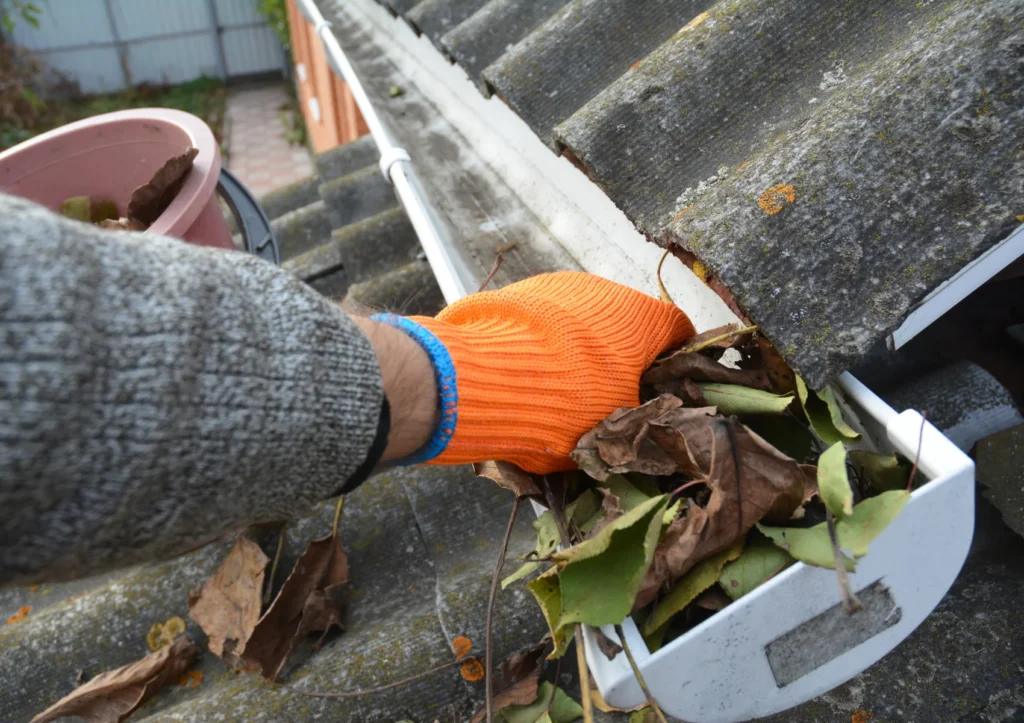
(686, 436)
(721, 337)
(714, 599)
(227, 607)
(750, 481)
(611, 505)
(517, 679)
(509, 476)
(152, 199)
(620, 443)
(112, 696)
(698, 366)
(606, 645)
(765, 357)
(307, 603)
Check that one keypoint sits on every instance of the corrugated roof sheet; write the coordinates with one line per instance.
(831, 161)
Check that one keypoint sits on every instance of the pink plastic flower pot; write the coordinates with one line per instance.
(108, 156)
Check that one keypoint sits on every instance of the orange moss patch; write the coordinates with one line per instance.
(775, 198)
(20, 615)
(861, 716)
(636, 65)
(191, 678)
(462, 645)
(472, 670)
(33, 588)
(701, 271)
(682, 213)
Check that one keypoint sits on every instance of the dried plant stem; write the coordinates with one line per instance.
(851, 604)
(584, 673)
(495, 580)
(662, 291)
(273, 566)
(639, 676)
(722, 337)
(688, 485)
(554, 688)
(581, 661)
(494, 269)
(917, 456)
(372, 691)
(337, 515)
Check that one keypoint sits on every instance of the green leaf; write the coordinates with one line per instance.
(761, 560)
(656, 639)
(824, 414)
(883, 471)
(548, 594)
(582, 508)
(629, 496)
(547, 542)
(869, 519)
(644, 715)
(563, 708)
(602, 576)
(733, 399)
(76, 208)
(788, 435)
(833, 482)
(703, 575)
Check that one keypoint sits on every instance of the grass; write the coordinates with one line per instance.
(203, 97)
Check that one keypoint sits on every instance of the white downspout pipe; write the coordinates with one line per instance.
(396, 166)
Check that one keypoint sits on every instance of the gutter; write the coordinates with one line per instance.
(396, 166)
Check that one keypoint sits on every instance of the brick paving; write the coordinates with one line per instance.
(257, 150)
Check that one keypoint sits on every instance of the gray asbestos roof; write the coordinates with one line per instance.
(830, 161)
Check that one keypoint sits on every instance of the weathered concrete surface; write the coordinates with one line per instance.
(1001, 474)
(358, 195)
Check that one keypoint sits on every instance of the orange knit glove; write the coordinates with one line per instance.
(541, 362)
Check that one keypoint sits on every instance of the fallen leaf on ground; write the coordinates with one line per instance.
(701, 368)
(729, 336)
(713, 599)
(762, 355)
(163, 634)
(686, 436)
(227, 607)
(606, 645)
(111, 697)
(749, 480)
(509, 476)
(883, 471)
(834, 483)
(825, 416)
(152, 199)
(644, 715)
(702, 576)
(306, 603)
(563, 708)
(190, 678)
(812, 545)
(733, 399)
(760, 561)
(516, 681)
(600, 577)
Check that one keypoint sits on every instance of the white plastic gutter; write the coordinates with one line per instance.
(396, 165)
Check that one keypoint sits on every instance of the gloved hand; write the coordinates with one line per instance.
(525, 371)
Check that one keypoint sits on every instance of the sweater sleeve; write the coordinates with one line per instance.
(155, 396)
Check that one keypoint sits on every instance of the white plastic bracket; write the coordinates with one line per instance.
(390, 157)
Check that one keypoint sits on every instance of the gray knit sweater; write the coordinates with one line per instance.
(155, 396)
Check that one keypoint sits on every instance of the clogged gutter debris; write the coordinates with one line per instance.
(148, 201)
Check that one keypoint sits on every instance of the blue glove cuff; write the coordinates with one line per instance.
(447, 392)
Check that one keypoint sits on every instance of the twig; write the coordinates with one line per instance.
(551, 698)
(581, 662)
(372, 691)
(494, 269)
(917, 457)
(661, 286)
(273, 566)
(337, 515)
(495, 580)
(639, 676)
(688, 485)
(721, 337)
(584, 673)
(851, 604)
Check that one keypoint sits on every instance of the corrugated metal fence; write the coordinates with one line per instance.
(109, 45)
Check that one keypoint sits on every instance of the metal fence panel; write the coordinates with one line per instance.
(98, 42)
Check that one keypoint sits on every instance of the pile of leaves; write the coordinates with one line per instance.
(729, 472)
(147, 203)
